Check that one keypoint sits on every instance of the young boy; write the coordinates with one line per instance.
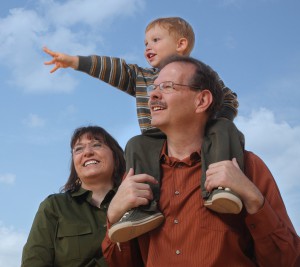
(163, 37)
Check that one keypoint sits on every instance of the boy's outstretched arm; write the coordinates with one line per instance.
(61, 60)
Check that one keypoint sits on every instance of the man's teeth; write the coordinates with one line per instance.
(90, 162)
(157, 108)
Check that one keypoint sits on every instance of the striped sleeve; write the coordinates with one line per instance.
(111, 70)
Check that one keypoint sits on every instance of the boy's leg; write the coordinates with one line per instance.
(223, 141)
(142, 153)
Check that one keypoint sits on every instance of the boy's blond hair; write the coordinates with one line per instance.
(177, 28)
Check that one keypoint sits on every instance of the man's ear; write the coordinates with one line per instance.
(182, 45)
(203, 101)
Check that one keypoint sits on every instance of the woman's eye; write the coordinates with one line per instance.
(78, 149)
(97, 145)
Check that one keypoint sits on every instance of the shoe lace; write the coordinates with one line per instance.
(125, 215)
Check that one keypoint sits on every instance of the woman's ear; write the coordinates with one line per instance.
(203, 101)
(182, 45)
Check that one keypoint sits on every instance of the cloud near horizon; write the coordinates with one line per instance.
(277, 144)
(11, 245)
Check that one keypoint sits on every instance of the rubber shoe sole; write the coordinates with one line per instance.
(125, 231)
(224, 201)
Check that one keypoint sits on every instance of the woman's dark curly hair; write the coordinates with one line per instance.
(97, 133)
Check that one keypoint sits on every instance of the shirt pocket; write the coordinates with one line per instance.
(70, 237)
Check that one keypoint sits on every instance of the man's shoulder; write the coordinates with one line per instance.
(251, 156)
(144, 139)
(253, 162)
(144, 146)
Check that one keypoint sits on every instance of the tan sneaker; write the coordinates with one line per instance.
(135, 223)
(223, 200)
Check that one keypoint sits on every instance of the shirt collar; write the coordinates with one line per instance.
(87, 195)
(191, 160)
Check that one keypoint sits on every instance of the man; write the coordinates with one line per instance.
(183, 100)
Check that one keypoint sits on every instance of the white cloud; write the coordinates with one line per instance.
(34, 121)
(53, 23)
(11, 245)
(90, 12)
(277, 143)
(7, 178)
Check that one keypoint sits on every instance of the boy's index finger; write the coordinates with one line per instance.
(48, 51)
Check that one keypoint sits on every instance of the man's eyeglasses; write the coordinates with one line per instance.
(78, 149)
(167, 87)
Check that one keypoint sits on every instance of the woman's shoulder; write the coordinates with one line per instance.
(55, 199)
(57, 196)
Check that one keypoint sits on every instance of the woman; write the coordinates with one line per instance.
(69, 227)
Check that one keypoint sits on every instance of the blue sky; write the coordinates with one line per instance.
(253, 45)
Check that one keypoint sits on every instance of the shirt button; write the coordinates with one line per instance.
(178, 251)
(176, 192)
(176, 221)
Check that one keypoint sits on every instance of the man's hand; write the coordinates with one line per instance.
(61, 60)
(228, 174)
(133, 192)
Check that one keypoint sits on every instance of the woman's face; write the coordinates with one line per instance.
(93, 161)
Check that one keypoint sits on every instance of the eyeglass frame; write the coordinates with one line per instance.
(150, 88)
(95, 146)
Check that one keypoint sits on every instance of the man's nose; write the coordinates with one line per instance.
(155, 94)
